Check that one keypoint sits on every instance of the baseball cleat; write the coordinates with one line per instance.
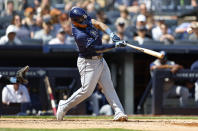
(60, 111)
(121, 117)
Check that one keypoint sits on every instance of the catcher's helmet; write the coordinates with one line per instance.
(78, 15)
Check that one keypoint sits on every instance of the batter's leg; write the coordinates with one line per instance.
(110, 93)
(90, 71)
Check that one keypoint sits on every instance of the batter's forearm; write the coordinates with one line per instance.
(105, 50)
(102, 48)
(101, 26)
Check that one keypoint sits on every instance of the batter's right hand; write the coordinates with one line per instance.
(121, 43)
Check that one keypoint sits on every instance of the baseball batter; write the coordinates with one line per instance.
(92, 66)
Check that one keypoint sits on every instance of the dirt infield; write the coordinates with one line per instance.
(136, 124)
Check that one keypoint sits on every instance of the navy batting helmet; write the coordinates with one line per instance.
(78, 15)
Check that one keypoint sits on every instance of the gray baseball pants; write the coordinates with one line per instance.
(93, 71)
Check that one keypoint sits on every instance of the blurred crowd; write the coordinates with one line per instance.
(137, 20)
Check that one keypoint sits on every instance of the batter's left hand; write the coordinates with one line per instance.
(114, 37)
(120, 43)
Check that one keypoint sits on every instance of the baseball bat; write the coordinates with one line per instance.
(49, 91)
(147, 51)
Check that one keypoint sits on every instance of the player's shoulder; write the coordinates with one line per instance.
(8, 87)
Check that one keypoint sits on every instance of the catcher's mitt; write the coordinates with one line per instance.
(20, 75)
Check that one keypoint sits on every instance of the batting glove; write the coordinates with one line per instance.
(114, 37)
(120, 43)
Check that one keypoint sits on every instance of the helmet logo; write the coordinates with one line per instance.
(85, 16)
(75, 11)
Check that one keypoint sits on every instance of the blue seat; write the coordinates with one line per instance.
(32, 42)
(113, 15)
(2, 32)
(185, 42)
(5, 21)
(152, 42)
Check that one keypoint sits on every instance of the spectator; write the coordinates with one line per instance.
(141, 35)
(100, 16)
(37, 26)
(90, 6)
(46, 33)
(169, 87)
(55, 13)
(166, 37)
(145, 5)
(22, 32)
(44, 9)
(105, 39)
(63, 18)
(194, 31)
(121, 29)
(142, 10)
(132, 8)
(181, 30)
(21, 5)
(150, 23)
(124, 14)
(157, 32)
(16, 93)
(60, 38)
(68, 30)
(28, 20)
(141, 22)
(194, 3)
(10, 37)
(36, 6)
(68, 6)
(123, 2)
(9, 11)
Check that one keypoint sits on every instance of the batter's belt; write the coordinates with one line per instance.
(92, 57)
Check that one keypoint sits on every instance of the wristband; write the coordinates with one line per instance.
(108, 31)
